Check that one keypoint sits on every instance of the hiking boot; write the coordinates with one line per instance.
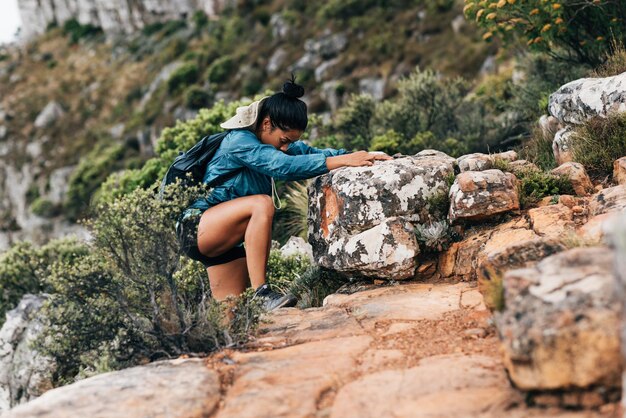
(272, 300)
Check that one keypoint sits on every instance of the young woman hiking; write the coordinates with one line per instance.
(262, 145)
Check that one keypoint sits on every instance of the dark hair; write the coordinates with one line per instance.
(285, 109)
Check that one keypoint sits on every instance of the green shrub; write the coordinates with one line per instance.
(575, 31)
(172, 27)
(352, 126)
(439, 204)
(76, 31)
(184, 76)
(538, 149)
(390, 142)
(152, 28)
(200, 19)
(197, 98)
(598, 143)
(92, 170)
(291, 220)
(283, 271)
(24, 268)
(314, 284)
(221, 69)
(44, 208)
(535, 185)
(126, 301)
(174, 49)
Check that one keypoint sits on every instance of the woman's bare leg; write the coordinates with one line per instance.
(229, 279)
(247, 219)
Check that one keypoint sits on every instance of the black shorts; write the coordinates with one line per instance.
(187, 233)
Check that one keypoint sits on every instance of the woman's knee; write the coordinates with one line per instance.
(263, 205)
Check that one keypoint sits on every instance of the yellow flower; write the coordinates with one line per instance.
(480, 13)
(493, 5)
(600, 38)
(537, 39)
(467, 7)
(487, 36)
(558, 21)
(501, 4)
(556, 6)
(511, 1)
(492, 16)
(546, 28)
(534, 12)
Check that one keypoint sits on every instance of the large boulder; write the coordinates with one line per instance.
(582, 99)
(390, 196)
(24, 373)
(477, 195)
(174, 388)
(619, 171)
(618, 238)
(611, 199)
(559, 324)
(577, 175)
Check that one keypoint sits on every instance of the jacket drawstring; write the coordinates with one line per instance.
(275, 195)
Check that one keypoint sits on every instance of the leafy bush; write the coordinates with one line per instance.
(197, 98)
(127, 301)
(221, 69)
(315, 284)
(572, 30)
(534, 185)
(44, 208)
(92, 170)
(352, 126)
(76, 31)
(24, 268)
(283, 271)
(598, 143)
(291, 220)
(184, 76)
(538, 149)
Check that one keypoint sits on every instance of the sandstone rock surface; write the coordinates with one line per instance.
(479, 195)
(173, 388)
(611, 199)
(559, 325)
(619, 171)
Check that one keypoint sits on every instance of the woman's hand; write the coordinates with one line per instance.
(355, 159)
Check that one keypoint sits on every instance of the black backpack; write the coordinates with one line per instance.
(190, 166)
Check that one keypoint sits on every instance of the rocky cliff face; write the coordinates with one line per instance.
(116, 16)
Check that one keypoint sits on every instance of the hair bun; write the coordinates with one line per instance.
(291, 89)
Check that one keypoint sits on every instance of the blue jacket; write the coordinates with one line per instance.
(257, 164)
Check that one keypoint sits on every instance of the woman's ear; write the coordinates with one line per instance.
(267, 124)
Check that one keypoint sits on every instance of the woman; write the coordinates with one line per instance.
(262, 145)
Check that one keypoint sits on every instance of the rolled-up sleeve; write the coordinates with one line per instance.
(300, 148)
(269, 161)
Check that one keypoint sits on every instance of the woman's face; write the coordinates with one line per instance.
(276, 137)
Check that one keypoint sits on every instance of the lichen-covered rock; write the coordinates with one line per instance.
(582, 99)
(479, 195)
(577, 174)
(518, 166)
(390, 195)
(297, 246)
(562, 146)
(619, 171)
(607, 200)
(173, 388)
(24, 373)
(549, 126)
(387, 250)
(50, 114)
(481, 162)
(559, 324)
